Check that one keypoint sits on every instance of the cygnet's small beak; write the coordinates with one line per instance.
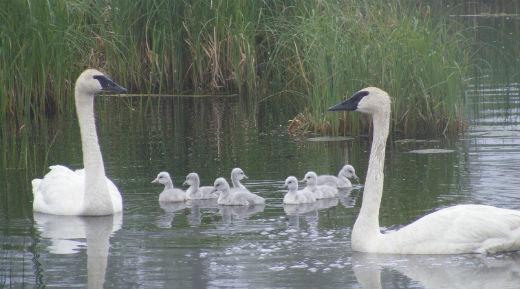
(155, 181)
(185, 183)
(356, 178)
(245, 177)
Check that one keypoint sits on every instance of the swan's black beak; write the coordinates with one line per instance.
(108, 85)
(351, 103)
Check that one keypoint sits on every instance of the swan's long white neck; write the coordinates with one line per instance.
(97, 200)
(367, 223)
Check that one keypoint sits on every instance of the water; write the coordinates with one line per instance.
(206, 246)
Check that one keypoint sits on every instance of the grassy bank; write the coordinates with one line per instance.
(318, 50)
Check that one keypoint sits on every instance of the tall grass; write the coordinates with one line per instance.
(340, 47)
(318, 51)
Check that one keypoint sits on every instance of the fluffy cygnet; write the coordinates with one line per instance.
(169, 194)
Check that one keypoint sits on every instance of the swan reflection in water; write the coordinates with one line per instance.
(195, 216)
(191, 208)
(308, 212)
(441, 271)
(346, 198)
(69, 234)
(170, 209)
(232, 213)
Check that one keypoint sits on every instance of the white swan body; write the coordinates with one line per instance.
(195, 192)
(86, 192)
(341, 181)
(453, 230)
(61, 181)
(319, 191)
(169, 194)
(234, 197)
(295, 196)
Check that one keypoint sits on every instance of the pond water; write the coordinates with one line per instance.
(202, 245)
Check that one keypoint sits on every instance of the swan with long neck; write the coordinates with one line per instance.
(88, 191)
(453, 230)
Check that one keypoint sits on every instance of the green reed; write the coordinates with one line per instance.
(342, 47)
(312, 52)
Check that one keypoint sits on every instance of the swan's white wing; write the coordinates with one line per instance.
(115, 196)
(327, 180)
(460, 229)
(60, 192)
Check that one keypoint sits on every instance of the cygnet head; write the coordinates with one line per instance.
(162, 178)
(348, 172)
(92, 81)
(238, 174)
(310, 178)
(291, 183)
(191, 180)
(220, 185)
(370, 100)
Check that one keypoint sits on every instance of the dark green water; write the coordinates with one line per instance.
(206, 246)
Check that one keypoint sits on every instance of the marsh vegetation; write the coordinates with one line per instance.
(309, 54)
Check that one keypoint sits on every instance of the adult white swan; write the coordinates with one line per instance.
(88, 191)
(453, 230)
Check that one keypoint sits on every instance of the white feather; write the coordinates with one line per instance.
(453, 230)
